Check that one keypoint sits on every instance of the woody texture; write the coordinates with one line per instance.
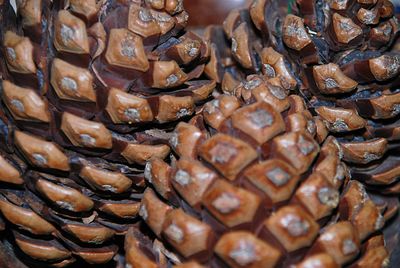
(128, 141)
(88, 88)
(293, 164)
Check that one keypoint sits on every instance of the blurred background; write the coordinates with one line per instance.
(397, 4)
(206, 12)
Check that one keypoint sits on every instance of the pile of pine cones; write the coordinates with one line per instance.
(128, 141)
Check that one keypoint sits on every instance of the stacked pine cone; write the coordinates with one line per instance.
(89, 90)
(291, 164)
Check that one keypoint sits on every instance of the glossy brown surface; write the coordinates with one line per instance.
(318, 195)
(24, 103)
(228, 155)
(105, 180)
(293, 227)
(71, 82)
(340, 241)
(65, 24)
(64, 197)
(294, 33)
(232, 246)
(192, 179)
(41, 153)
(187, 234)
(275, 178)
(185, 140)
(157, 172)
(153, 211)
(140, 153)
(19, 54)
(44, 252)
(26, 219)
(231, 205)
(8, 173)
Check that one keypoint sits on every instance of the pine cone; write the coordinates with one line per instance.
(253, 188)
(260, 178)
(88, 90)
(344, 57)
(353, 74)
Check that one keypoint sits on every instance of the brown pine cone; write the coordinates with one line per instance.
(341, 57)
(253, 186)
(353, 74)
(352, 82)
(88, 90)
(210, 208)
